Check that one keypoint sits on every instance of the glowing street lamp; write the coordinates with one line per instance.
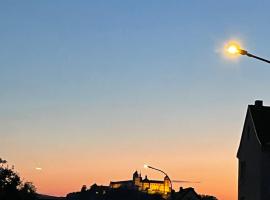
(234, 49)
(150, 167)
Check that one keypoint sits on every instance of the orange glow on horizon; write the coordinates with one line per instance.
(58, 179)
(215, 167)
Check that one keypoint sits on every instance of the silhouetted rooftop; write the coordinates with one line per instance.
(183, 192)
(152, 181)
(261, 118)
(128, 181)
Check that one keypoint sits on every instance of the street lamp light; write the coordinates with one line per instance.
(150, 167)
(234, 49)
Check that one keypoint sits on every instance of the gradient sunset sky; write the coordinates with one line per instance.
(92, 90)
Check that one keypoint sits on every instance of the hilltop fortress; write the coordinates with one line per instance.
(145, 185)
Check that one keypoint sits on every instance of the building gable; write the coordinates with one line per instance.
(248, 134)
(256, 128)
(261, 119)
(254, 154)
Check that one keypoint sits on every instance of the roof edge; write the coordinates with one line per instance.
(256, 133)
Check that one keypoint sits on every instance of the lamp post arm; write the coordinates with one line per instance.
(259, 58)
(158, 170)
(246, 53)
(163, 173)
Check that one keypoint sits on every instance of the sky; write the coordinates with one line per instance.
(92, 90)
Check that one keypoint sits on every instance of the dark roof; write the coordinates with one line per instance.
(261, 119)
(152, 181)
(115, 182)
(135, 173)
(183, 192)
(103, 187)
(145, 179)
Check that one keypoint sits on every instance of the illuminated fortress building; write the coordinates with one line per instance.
(145, 185)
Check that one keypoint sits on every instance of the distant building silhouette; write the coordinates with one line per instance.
(145, 185)
(186, 194)
(254, 154)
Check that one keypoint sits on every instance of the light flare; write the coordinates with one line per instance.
(232, 49)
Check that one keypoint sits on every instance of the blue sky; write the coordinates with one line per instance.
(119, 73)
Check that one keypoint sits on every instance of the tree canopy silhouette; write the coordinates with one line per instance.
(11, 186)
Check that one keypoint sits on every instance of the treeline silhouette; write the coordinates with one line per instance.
(123, 193)
(102, 193)
(11, 185)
